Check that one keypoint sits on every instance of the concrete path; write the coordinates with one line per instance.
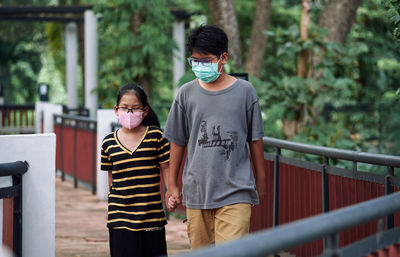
(81, 225)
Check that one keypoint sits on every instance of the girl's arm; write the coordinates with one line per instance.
(165, 173)
(175, 160)
(171, 201)
(257, 156)
(109, 178)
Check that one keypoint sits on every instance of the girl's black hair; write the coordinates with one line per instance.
(151, 118)
(208, 39)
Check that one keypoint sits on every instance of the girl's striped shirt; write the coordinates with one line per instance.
(134, 200)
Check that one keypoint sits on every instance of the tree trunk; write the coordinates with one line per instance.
(261, 22)
(338, 17)
(293, 127)
(145, 79)
(304, 56)
(145, 82)
(223, 15)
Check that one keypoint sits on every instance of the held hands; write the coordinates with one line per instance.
(172, 203)
(173, 198)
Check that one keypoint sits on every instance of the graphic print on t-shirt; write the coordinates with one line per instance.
(227, 143)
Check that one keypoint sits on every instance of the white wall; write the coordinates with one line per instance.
(46, 111)
(38, 196)
(104, 120)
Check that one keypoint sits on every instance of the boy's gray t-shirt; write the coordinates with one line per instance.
(215, 126)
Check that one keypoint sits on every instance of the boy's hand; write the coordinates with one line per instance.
(173, 197)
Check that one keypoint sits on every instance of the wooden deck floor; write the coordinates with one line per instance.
(81, 225)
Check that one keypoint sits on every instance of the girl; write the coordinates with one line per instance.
(133, 157)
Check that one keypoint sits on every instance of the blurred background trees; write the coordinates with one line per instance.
(326, 72)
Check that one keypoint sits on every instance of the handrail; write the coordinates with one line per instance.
(77, 123)
(13, 168)
(75, 117)
(378, 159)
(17, 106)
(16, 170)
(286, 236)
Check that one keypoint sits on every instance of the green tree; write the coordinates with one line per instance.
(21, 44)
(136, 47)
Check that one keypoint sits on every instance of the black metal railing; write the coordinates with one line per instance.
(80, 111)
(328, 224)
(115, 126)
(391, 162)
(82, 124)
(17, 119)
(325, 225)
(15, 170)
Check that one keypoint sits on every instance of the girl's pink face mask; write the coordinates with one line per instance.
(130, 120)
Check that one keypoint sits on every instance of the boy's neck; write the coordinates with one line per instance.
(222, 82)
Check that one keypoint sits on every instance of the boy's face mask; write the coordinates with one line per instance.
(207, 73)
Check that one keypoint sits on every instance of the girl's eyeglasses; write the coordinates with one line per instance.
(204, 62)
(132, 110)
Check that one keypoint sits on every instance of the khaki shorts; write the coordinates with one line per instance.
(212, 226)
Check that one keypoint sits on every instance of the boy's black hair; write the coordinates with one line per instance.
(151, 118)
(208, 39)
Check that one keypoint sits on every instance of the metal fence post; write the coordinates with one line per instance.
(389, 190)
(61, 150)
(17, 219)
(75, 176)
(325, 185)
(332, 245)
(276, 188)
(325, 191)
(93, 160)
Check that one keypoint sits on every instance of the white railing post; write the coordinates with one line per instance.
(91, 62)
(179, 54)
(71, 57)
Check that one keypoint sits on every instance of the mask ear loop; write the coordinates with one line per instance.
(222, 65)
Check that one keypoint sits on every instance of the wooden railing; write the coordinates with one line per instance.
(76, 148)
(17, 119)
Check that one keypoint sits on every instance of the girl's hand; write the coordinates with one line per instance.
(173, 192)
(172, 203)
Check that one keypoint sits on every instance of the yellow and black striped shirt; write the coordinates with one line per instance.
(134, 200)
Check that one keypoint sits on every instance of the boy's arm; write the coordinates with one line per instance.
(257, 156)
(175, 160)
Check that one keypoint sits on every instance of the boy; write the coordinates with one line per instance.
(214, 117)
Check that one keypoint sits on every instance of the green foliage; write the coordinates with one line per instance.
(132, 48)
(362, 71)
(55, 45)
(20, 52)
(394, 13)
